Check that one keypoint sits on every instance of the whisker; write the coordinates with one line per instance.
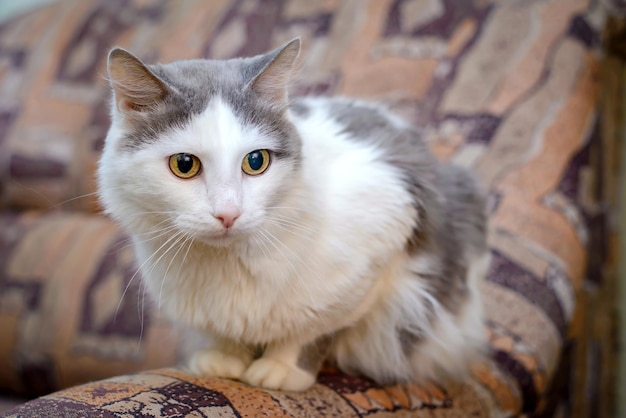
(190, 241)
(159, 231)
(75, 198)
(305, 264)
(288, 229)
(137, 272)
(131, 243)
(178, 236)
(264, 238)
(271, 239)
(158, 212)
(289, 207)
(140, 308)
(259, 240)
(265, 234)
(49, 201)
(291, 222)
(180, 247)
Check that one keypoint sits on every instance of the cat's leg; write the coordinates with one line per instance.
(288, 366)
(224, 358)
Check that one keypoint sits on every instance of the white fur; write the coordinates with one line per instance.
(448, 344)
(335, 264)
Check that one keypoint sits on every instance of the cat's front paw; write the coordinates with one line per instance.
(216, 363)
(273, 374)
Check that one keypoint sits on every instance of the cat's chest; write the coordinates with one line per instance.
(256, 301)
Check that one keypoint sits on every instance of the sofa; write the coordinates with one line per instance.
(519, 91)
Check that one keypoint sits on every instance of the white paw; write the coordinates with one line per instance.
(272, 374)
(216, 363)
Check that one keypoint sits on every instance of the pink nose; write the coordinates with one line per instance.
(227, 219)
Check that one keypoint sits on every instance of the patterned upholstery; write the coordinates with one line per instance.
(508, 88)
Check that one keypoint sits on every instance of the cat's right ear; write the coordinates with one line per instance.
(272, 81)
(136, 88)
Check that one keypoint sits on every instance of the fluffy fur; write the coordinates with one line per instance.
(355, 244)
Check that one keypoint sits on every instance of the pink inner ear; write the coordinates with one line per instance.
(141, 98)
(123, 105)
(273, 80)
(136, 87)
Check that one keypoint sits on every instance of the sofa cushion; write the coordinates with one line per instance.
(70, 306)
(172, 393)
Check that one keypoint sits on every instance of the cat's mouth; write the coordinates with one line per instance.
(220, 239)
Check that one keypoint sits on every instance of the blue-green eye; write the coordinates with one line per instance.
(256, 162)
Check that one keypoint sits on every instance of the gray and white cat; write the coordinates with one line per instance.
(292, 231)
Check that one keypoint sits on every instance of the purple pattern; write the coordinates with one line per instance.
(318, 25)
(508, 274)
(108, 16)
(581, 30)
(100, 124)
(17, 56)
(595, 218)
(37, 375)
(428, 113)
(30, 291)
(23, 167)
(7, 117)
(7, 243)
(46, 407)
(525, 380)
(128, 320)
(185, 397)
(557, 397)
(569, 185)
(344, 383)
(479, 129)
(262, 20)
(443, 26)
(598, 226)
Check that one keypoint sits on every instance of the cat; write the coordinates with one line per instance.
(292, 231)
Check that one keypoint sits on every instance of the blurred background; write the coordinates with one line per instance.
(529, 94)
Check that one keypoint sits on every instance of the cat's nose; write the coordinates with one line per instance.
(227, 218)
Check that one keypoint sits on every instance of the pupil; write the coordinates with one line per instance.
(255, 159)
(185, 163)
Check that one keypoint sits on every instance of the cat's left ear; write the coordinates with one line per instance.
(272, 81)
(136, 88)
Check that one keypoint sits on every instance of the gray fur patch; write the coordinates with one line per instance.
(313, 355)
(408, 340)
(273, 122)
(177, 107)
(301, 109)
(403, 146)
(194, 83)
(451, 224)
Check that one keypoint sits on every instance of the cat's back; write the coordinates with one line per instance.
(364, 133)
(359, 121)
(352, 144)
(362, 152)
(354, 158)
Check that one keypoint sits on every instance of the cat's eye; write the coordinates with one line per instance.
(256, 162)
(185, 165)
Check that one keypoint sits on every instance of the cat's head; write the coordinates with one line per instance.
(201, 147)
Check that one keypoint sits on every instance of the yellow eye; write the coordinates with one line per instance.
(256, 162)
(184, 165)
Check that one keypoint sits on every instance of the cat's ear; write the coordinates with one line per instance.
(272, 81)
(136, 88)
